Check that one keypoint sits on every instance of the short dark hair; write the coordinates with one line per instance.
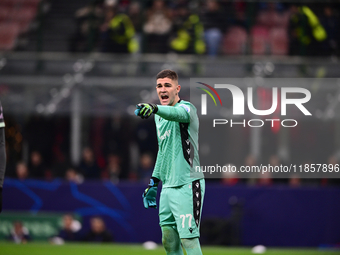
(167, 73)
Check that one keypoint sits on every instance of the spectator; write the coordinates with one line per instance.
(228, 177)
(113, 168)
(330, 21)
(237, 13)
(294, 181)
(265, 178)
(306, 32)
(117, 133)
(60, 165)
(136, 17)
(145, 137)
(117, 33)
(214, 26)
(274, 161)
(333, 160)
(37, 168)
(157, 28)
(88, 19)
(250, 161)
(19, 233)
(72, 175)
(88, 166)
(21, 171)
(145, 170)
(189, 38)
(69, 232)
(98, 232)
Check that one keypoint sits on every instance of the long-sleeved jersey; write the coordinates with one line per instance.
(177, 132)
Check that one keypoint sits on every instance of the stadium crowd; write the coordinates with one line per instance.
(214, 27)
(208, 27)
(117, 149)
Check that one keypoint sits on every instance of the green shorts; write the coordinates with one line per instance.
(181, 207)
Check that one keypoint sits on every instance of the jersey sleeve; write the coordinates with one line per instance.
(180, 113)
(156, 170)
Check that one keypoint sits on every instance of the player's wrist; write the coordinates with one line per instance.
(155, 108)
(154, 182)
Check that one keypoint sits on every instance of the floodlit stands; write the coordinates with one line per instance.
(15, 18)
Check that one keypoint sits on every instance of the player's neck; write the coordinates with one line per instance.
(176, 101)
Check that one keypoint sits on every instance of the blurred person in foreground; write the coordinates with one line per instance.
(183, 189)
(19, 233)
(98, 232)
(69, 232)
(2, 153)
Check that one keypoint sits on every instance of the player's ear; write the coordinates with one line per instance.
(178, 88)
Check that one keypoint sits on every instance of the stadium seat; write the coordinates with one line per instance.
(281, 19)
(6, 4)
(8, 35)
(11, 3)
(278, 40)
(23, 16)
(4, 12)
(235, 41)
(259, 40)
(30, 3)
(265, 18)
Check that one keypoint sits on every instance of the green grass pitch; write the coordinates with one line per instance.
(131, 249)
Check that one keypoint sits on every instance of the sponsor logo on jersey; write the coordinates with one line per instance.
(187, 108)
(165, 135)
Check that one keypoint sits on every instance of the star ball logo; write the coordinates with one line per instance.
(239, 102)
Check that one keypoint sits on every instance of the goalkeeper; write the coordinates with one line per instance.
(2, 153)
(182, 194)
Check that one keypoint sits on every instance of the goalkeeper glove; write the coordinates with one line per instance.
(144, 110)
(149, 195)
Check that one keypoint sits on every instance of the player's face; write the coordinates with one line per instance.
(167, 91)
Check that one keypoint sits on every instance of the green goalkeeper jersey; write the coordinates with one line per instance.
(177, 133)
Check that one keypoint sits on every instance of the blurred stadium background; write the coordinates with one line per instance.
(71, 73)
